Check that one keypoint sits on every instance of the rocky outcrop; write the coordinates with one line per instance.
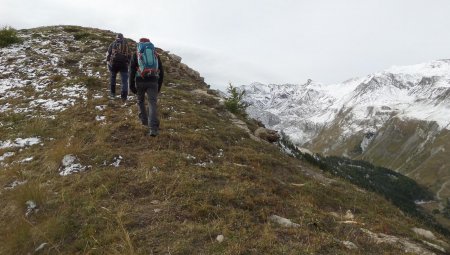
(178, 70)
(269, 135)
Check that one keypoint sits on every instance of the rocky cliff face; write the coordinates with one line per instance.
(398, 118)
(180, 70)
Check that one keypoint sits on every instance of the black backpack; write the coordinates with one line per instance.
(119, 52)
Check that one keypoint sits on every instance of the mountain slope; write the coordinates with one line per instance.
(79, 176)
(397, 118)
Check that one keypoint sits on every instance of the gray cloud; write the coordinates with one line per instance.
(266, 40)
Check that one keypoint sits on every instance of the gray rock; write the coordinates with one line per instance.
(220, 238)
(69, 165)
(40, 247)
(31, 207)
(267, 134)
(349, 245)
(175, 58)
(283, 221)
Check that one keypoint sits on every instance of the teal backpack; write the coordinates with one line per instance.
(147, 59)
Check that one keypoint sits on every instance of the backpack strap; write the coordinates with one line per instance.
(124, 47)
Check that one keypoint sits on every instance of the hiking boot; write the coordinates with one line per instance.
(143, 120)
(112, 95)
(153, 132)
(124, 96)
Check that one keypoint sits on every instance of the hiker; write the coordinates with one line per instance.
(146, 63)
(117, 58)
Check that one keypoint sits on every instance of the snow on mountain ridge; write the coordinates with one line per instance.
(434, 68)
(410, 92)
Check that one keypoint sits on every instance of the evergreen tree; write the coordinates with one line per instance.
(234, 102)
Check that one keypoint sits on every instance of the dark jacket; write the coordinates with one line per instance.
(136, 78)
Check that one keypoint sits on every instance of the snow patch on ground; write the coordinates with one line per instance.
(100, 107)
(6, 155)
(116, 161)
(100, 118)
(25, 160)
(51, 104)
(190, 157)
(5, 107)
(20, 142)
(75, 91)
(67, 97)
(14, 184)
(70, 165)
(34, 66)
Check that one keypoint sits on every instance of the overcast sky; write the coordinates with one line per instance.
(284, 41)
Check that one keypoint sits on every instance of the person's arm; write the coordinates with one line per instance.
(161, 74)
(108, 53)
(132, 72)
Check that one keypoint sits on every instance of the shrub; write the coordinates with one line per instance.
(81, 36)
(8, 36)
(234, 102)
(72, 29)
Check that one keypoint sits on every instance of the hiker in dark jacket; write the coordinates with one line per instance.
(148, 84)
(117, 58)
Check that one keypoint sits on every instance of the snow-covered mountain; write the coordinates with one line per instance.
(398, 118)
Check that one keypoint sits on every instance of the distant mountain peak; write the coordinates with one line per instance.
(429, 69)
(414, 100)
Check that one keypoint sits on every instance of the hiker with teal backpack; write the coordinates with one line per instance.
(117, 58)
(146, 76)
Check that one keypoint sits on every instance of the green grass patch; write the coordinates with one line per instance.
(8, 36)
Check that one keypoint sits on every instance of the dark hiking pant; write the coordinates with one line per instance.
(123, 75)
(149, 118)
